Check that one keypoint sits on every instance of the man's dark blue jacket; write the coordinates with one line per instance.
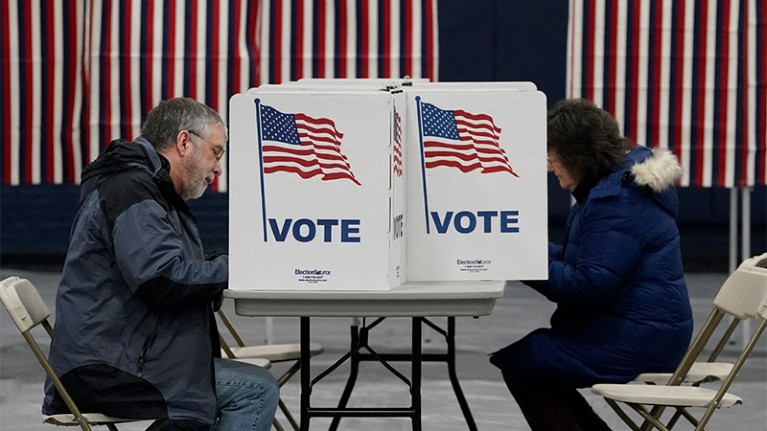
(134, 334)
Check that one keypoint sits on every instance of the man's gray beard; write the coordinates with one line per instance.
(191, 176)
(198, 191)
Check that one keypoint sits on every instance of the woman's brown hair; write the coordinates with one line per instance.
(586, 139)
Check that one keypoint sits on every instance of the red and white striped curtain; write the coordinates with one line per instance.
(76, 74)
(688, 75)
(349, 39)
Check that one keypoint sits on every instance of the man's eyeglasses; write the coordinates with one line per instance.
(218, 153)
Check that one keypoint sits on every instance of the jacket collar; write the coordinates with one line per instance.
(653, 171)
(121, 156)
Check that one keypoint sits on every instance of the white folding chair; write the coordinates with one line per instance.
(700, 373)
(28, 310)
(742, 296)
(289, 352)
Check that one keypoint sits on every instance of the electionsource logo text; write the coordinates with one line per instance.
(312, 272)
(473, 262)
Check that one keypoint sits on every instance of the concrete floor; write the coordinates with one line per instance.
(520, 311)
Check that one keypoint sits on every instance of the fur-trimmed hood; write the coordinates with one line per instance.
(659, 171)
(654, 171)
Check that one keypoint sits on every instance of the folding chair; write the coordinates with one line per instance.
(28, 310)
(290, 352)
(742, 296)
(700, 373)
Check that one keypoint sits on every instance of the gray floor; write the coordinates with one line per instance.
(520, 311)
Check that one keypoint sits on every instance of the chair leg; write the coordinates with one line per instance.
(692, 419)
(287, 375)
(619, 411)
(284, 378)
(288, 415)
(681, 412)
(277, 425)
(649, 418)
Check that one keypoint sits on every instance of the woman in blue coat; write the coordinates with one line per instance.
(618, 282)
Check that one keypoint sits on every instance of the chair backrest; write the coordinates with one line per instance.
(27, 309)
(744, 296)
(23, 302)
(744, 293)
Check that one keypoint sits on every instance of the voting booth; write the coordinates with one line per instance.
(316, 190)
(366, 184)
(476, 172)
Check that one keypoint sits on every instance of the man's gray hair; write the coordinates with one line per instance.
(171, 116)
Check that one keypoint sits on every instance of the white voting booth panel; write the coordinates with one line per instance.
(316, 190)
(476, 183)
(478, 85)
(364, 82)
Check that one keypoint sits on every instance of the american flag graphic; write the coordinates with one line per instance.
(303, 145)
(76, 74)
(462, 140)
(690, 76)
(397, 135)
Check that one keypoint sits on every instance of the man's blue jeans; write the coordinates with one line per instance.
(247, 396)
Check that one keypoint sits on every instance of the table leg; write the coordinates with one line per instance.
(450, 337)
(415, 386)
(359, 339)
(306, 383)
(353, 371)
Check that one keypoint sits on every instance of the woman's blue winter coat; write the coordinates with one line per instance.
(618, 282)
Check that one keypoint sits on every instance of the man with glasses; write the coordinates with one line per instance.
(135, 334)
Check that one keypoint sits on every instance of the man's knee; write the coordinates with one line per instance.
(263, 385)
(265, 381)
(271, 390)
